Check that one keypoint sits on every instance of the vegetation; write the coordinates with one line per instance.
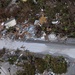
(51, 8)
(35, 64)
(11, 29)
(12, 59)
(57, 64)
(32, 64)
(28, 70)
(2, 52)
(4, 3)
(40, 64)
(30, 67)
